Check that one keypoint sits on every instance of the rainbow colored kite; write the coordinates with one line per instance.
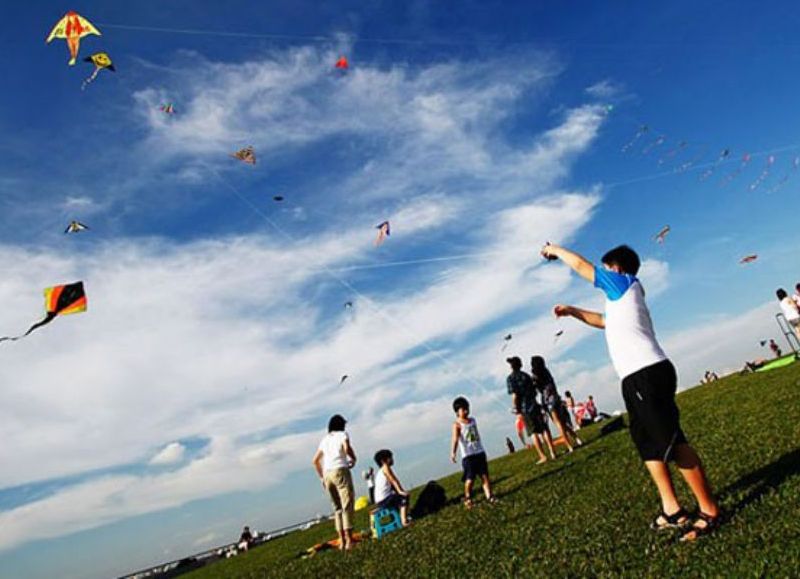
(59, 300)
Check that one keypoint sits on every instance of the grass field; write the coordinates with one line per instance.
(587, 514)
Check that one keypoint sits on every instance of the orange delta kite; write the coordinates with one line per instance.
(72, 27)
(59, 300)
(246, 155)
(342, 63)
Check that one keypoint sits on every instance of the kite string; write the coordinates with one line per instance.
(347, 285)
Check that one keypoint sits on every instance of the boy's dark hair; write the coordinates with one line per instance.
(460, 402)
(624, 258)
(516, 363)
(781, 293)
(382, 456)
(336, 423)
(567, 393)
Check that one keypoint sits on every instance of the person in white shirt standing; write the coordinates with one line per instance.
(332, 461)
(790, 309)
(649, 382)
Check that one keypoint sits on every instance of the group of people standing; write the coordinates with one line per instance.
(535, 398)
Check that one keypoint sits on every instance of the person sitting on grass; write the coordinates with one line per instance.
(649, 382)
(776, 349)
(591, 408)
(389, 493)
(245, 539)
(523, 399)
(473, 457)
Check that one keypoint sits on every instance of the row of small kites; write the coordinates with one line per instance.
(73, 27)
(683, 156)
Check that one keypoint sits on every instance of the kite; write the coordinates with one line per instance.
(748, 259)
(642, 130)
(342, 63)
(348, 305)
(341, 381)
(384, 231)
(559, 333)
(75, 227)
(661, 236)
(72, 27)
(167, 109)
(59, 300)
(735, 173)
(764, 173)
(246, 155)
(763, 343)
(672, 152)
(101, 61)
(691, 162)
(278, 198)
(786, 176)
(506, 340)
(655, 144)
(722, 157)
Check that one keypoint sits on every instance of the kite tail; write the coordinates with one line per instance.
(90, 79)
(47, 319)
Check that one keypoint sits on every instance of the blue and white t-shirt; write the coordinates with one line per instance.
(631, 339)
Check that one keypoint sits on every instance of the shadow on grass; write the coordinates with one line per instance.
(761, 481)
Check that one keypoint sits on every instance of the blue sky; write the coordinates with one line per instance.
(189, 399)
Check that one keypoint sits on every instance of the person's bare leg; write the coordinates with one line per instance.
(468, 492)
(573, 434)
(538, 446)
(659, 472)
(549, 441)
(557, 421)
(487, 486)
(342, 540)
(348, 539)
(693, 473)
(404, 515)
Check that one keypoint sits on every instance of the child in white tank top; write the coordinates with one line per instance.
(467, 439)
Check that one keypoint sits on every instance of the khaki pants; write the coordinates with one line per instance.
(339, 485)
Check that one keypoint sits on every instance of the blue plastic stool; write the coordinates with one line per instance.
(384, 521)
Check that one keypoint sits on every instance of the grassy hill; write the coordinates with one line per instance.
(587, 514)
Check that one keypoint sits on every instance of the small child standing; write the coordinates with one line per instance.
(389, 493)
(473, 457)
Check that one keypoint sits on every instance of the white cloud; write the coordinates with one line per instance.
(170, 454)
(605, 89)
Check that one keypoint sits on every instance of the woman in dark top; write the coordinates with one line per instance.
(544, 383)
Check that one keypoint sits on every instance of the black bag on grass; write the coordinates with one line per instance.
(431, 499)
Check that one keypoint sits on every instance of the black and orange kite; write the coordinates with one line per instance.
(59, 300)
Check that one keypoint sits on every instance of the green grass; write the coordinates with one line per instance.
(588, 514)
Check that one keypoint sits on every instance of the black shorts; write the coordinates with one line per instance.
(393, 501)
(654, 417)
(535, 422)
(474, 466)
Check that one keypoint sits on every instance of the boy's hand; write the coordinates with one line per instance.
(550, 251)
(560, 310)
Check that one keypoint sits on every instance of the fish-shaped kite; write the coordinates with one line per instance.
(661, 236)
(72, 27)
(246, 155)
(342, 379)
(167, 109)
(59, 300)
(748, 259)
(75, 227)
(506, 340)
(384, 231)
(101, 61)
(342, 63)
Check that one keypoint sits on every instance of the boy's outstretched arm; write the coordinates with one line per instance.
(588, 317)
(582, 266)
